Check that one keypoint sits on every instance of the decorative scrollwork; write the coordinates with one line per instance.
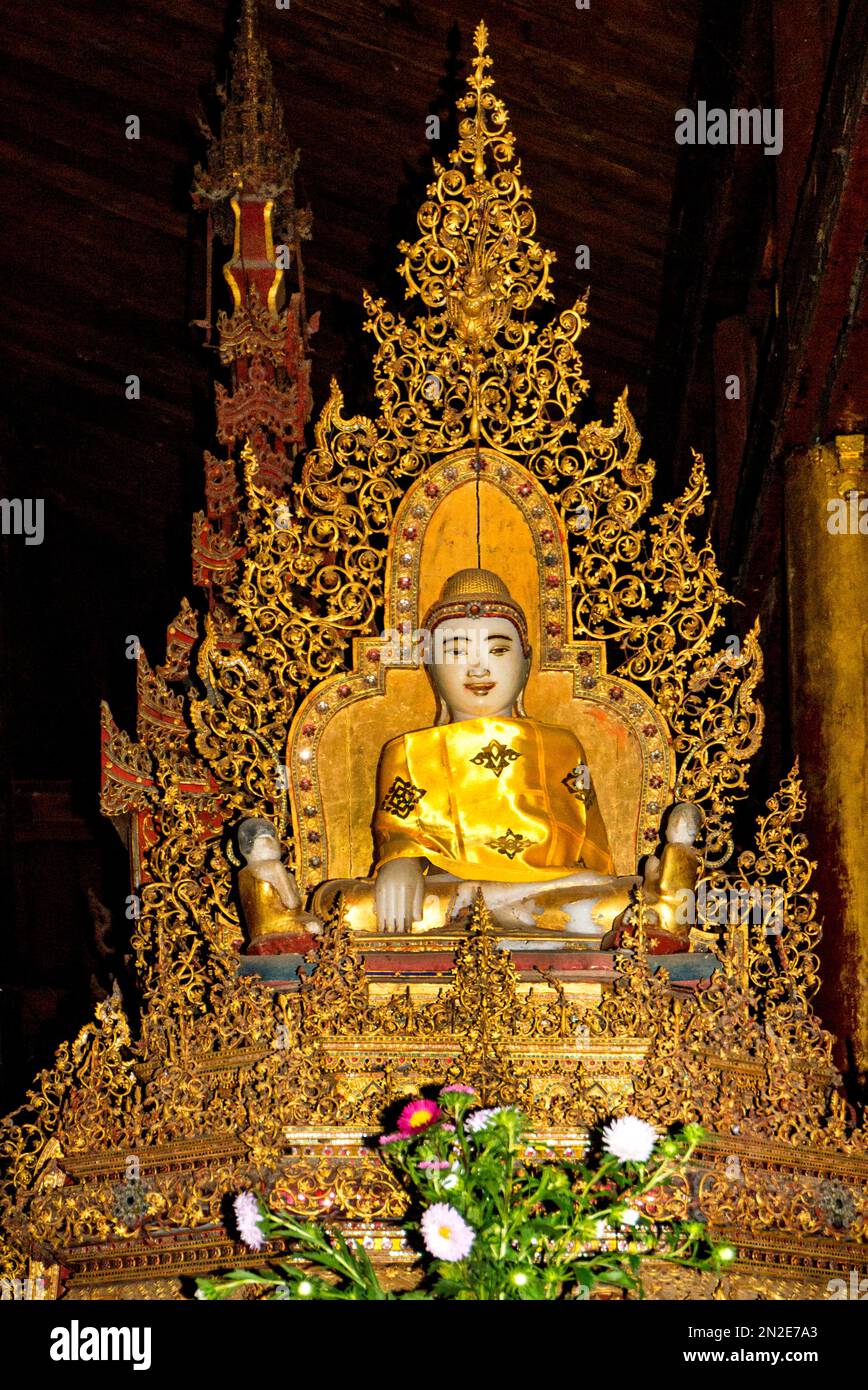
(221, 1072)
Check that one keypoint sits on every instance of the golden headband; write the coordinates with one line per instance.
(477, 593)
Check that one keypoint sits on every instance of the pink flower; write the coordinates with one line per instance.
(247, 1216)
(434, 1164)
(457, 1087)
(390, 1138)
(418, 1115)
(446, 1234)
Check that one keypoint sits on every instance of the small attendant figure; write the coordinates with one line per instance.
(277, 923)
(670, 884)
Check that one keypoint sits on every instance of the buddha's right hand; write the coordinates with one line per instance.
(398, 894)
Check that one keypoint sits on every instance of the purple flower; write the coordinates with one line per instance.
(247, 1216)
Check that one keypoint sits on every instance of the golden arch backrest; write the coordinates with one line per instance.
(466, 512)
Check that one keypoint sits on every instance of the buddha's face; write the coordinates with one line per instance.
(264, 847)
(479, 668)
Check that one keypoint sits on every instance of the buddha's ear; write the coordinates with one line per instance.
(441, 711)
(519, 703)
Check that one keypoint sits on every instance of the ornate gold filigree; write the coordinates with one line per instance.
(253, 331)
(785, 931)
(127, 781)
(160, 708)
(180, 637)
(252, 152)
(226, 1084)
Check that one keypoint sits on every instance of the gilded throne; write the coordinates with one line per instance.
(476, 461)
(478, 511)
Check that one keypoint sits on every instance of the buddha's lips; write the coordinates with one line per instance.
(481, 689)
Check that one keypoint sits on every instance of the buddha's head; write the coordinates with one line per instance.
(684, 823)
(257, 840)
(479, 654)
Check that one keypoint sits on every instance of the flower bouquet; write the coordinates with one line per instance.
(490, 1219)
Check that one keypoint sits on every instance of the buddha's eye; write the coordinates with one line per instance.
(498, 651)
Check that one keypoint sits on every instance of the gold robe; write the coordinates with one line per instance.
(668, 892)
(670, 895)
(503, 800)
(269, 920)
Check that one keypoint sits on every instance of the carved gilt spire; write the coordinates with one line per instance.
(251, 154)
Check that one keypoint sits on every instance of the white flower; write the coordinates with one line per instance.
(481, 1119)
(446, 1234)
(450, 1181)
(247, 1219)
(304, 1288)
(629, 1216)
(629, 1139)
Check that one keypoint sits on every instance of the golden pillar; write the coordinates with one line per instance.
(826, 506)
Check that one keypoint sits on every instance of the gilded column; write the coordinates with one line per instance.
(826, 529)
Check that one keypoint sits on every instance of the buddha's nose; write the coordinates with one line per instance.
(477, 655)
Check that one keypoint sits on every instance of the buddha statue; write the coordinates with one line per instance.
(487, 798)
(277, 923)
(669, 884)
